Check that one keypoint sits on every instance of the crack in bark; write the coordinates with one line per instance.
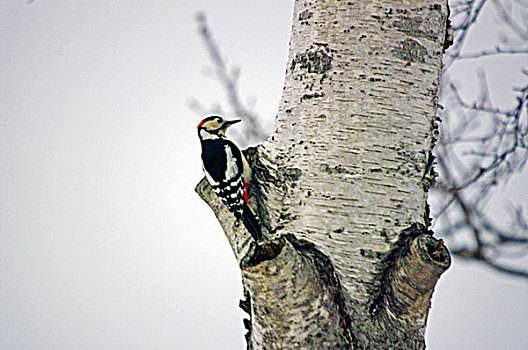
(325, 269)
(271, 182)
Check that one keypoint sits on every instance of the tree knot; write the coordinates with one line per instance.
(316, 59)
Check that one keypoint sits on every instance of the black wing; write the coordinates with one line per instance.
(215, 161)
(225, 173)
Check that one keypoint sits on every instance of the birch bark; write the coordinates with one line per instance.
(341, 184)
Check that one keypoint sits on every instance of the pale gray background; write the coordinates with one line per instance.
(103, 242)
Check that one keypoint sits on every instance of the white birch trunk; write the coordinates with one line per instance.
(341, 184)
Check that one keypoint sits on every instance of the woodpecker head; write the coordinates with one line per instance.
(214, 127)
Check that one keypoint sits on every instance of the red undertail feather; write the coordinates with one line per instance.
(246, 193)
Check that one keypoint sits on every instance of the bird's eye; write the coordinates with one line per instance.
(219, 120)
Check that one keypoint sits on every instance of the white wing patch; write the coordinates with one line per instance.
(232, 168)
(209, 178)
(246, 169)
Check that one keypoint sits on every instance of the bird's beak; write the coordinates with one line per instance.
(228, 123)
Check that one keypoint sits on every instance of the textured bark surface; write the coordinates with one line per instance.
(340, 184)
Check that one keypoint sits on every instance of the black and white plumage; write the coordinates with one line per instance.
(227, 170)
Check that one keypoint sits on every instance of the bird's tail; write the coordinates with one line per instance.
(251, 223)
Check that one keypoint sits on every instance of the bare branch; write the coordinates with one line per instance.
(505, 269)
(492, 52)
(228, 78)
(509, 21)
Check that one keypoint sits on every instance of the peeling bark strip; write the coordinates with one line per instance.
(341, 184)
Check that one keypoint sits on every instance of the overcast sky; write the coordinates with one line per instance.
(103, 242)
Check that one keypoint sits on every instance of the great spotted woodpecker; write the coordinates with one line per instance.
(227, 170)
